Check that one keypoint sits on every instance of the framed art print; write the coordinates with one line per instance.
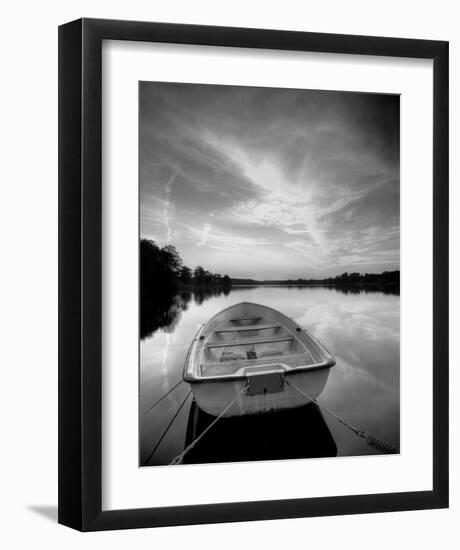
(253, 274)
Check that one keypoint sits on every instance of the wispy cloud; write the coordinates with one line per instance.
(204, 234)
(167, 203)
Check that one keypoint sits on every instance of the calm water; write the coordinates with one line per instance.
(361, 329)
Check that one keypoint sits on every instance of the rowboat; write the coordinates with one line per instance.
(250, 359)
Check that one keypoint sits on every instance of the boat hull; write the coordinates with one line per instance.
(214, 396)
(247, 358)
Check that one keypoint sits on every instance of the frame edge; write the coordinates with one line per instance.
(80, 266)
(70, 429)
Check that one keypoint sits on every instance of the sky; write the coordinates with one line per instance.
(270, 183)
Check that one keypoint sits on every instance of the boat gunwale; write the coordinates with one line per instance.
(194, 379)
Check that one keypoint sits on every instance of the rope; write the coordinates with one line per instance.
(168, 426)
(179, 458)
(372, 441)
(161, 399)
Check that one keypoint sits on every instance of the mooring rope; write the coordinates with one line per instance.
(161, 399)
(372, 441)
(168, 426)
(179, 458)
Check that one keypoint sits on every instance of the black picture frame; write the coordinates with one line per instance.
(80, 329)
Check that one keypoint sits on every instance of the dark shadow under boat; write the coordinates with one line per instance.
(288, 434)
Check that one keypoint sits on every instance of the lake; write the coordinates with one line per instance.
(359, 327)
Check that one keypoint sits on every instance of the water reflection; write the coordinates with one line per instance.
(361, 329)
(287, 434)
(165, 311)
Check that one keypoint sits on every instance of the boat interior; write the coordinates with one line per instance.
(251, 341)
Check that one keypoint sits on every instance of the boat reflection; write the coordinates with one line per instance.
(288, 434)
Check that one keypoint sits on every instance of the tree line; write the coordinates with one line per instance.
(355, 278)
(345, 279)
(163, 267)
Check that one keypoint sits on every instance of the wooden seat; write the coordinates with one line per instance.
(246, 318)
(230, 367)
(250, 341)
(247, 327)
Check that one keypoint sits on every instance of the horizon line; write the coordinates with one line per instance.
(316, 278)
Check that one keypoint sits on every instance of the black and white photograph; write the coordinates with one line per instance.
(230, 230)
(269, 273)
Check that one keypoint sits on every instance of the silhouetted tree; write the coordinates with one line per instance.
(158, 267)
(198, 274)
(185, 274)
(208, 279)
(161, 274)
(171, 259)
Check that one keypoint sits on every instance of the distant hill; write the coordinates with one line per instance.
(346, 279)
(245, 282)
